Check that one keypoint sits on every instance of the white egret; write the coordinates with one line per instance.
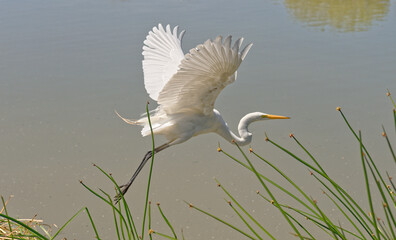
(186, 87)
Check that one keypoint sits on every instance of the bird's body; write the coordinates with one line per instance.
(186, 87)
(180, 127)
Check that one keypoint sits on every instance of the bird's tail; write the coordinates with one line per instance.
(156, 123)
(129, 121)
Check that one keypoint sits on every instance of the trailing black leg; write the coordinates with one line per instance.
(124, 188)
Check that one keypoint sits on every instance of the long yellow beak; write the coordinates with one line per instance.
(274, 116)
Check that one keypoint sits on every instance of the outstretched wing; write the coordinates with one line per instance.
(162, 55)
(202, 74)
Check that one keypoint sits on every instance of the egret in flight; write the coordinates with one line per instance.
(186, 86)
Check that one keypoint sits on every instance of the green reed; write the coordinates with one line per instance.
(363, 224)
(123, 218)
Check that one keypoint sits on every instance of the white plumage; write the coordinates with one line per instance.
(186, 88)
(162, 56)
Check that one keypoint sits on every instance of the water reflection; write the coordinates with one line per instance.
(340, 15)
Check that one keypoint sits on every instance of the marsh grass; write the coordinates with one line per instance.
(306, 217)
(124, 222)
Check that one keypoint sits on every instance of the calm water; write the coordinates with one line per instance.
(67, 65)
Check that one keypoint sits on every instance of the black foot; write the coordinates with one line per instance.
(124, 189)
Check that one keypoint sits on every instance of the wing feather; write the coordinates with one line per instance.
(203, 73)
(162, 56)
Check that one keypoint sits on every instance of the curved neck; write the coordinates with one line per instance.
(245, 137)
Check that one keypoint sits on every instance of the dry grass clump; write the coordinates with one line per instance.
(11, 230)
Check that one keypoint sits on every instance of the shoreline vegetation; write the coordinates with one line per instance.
(304, 219)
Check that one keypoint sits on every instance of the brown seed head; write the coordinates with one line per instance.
(272, 201)
(250, 149)
(385, 205)
(383, 134)
(388, 93)
(219, 185)
(233, 141)
(291, 135)
(151, 231)
(257, 191)
(229, 203)
(219, 149)
(315, 201)
(266, 139)
(158, 203)
(190, 205)
(338, 108)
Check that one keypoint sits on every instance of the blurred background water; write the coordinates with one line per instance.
(65, 66)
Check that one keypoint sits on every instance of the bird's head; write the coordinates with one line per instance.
(250, 118)
(256, 116)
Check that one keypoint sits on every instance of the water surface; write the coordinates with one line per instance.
(67, 65)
